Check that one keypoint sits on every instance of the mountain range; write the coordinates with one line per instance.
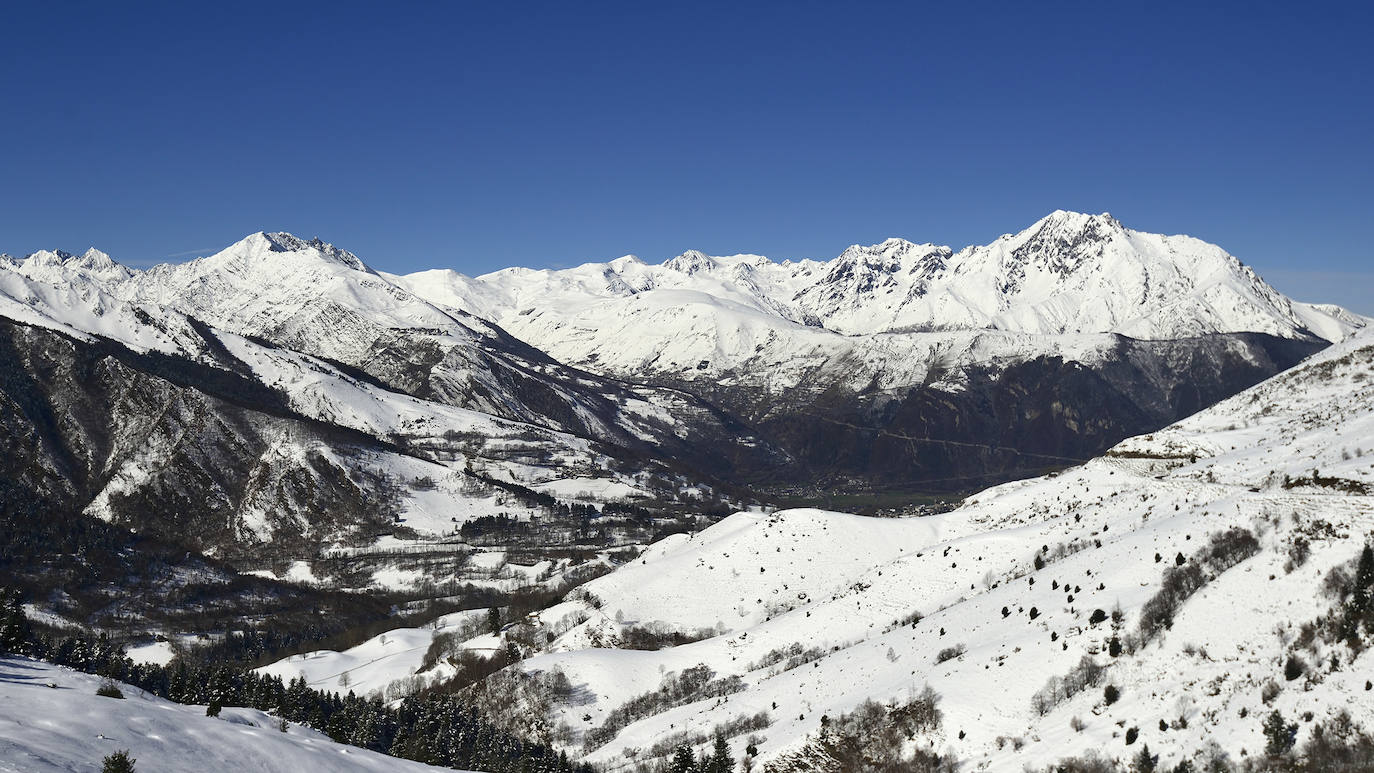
(331, 404)
(1143, 476)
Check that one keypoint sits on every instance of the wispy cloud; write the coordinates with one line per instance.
(191, 253)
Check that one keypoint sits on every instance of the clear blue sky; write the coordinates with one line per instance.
(477, 136)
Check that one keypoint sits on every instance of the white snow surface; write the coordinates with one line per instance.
(842, 582)
(68, 727)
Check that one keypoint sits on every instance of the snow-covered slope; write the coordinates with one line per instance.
(898, 362)
(867, 606)
(318, 300)
(52, 720)
(443, 396)
(883, 311)
(375, 665)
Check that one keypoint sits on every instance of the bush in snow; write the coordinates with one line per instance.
(109, 689)
(1225, 550)
(950, 653)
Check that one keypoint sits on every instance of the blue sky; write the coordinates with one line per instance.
(477, 136)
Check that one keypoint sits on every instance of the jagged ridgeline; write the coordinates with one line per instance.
(340, 402)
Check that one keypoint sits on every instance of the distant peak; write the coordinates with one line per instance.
(92, 262)
(91, 258)
(1068, 219)
(263, 243)
(96, 257)
(890, 249)
(49, 257)
(690, 262)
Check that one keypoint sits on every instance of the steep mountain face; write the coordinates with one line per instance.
(321, 301)
(1206, 572)
(707, 317)
(218, 462)
(1007, 419)
(902, 364)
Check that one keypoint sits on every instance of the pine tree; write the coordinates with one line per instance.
(720, 760)
(15, 632)
(119, 762)
(1144, 762)
(1361, 603)
(1279, 737)
(683, 760)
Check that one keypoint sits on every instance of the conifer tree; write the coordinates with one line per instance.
(1279, 737)
(119, 762)
(1144, 762)
(720, 760)
(683, 760)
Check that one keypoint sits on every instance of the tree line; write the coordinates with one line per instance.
(433, 729)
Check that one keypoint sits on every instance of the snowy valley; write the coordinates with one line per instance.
(798, 615)
(1104, 489)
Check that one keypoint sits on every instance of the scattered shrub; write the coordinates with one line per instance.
(950, 653)
(691, 685)
(109, 689)
(1294, 668)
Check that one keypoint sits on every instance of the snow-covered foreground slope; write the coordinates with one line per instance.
(68, 727)
(888, 312)
(1290, 461)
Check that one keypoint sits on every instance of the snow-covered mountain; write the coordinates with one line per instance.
(322, 301)
(284, 407)
(1226, 541)
(877, 366)
(870, 313)
(326, 405)
(332, 405)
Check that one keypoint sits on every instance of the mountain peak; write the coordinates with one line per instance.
(1065, 241)
(264, 244)
(92, 262)
(690, 262)
(1063, 219)
(95, 257)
